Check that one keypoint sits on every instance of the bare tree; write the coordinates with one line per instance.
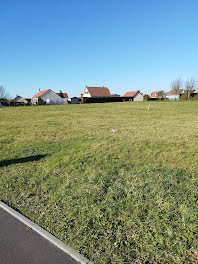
(162, 94)
(3, 93)
(191, 85)
(176, 85)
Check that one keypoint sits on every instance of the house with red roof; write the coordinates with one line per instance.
(134, 96)
(103, 95)
(96, 92)
(174, 95)
(158, 95)
(96, 95)
(48, 97)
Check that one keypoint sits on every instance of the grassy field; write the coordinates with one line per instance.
(124, 197)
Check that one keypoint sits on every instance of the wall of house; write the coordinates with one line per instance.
(138, 98)
(86, 93)
(56, 101)
(51, 98)
(173, 97)
(75, 100)
(49, 95)
(22, 100)
(34, 101)
(196, 91)
(19, 101)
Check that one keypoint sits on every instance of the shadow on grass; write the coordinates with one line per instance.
(21, 160)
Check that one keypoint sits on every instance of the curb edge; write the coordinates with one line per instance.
(64, 247)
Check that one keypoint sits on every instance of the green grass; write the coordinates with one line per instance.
(124, 197)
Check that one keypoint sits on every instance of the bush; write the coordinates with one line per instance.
(195, 97)
(146, 97)
(184, 96)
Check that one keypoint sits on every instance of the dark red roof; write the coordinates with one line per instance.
(98, 91)
(131, 94)
(40, 93)
(64, 94)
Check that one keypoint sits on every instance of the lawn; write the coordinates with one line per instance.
(116, 197)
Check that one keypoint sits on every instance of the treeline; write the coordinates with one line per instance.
(188, 87)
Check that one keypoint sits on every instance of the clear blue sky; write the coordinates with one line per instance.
(122, 44)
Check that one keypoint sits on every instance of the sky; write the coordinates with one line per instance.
(125, 45)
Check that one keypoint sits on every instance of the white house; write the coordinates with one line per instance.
(48, 97)
(172, 95)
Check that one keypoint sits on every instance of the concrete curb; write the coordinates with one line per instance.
(64, 247)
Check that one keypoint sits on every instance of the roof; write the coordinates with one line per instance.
(98, 91)
(196, 91)
(64, 94)
(19, 99)
(131, 94)
(39, 94)
(172, 92)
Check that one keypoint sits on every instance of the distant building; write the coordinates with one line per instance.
(156, 95)
(195, 92)
(102, 95)
(96, 95)
(171, 95)
(19, 101)
(96, 92)
(4, 102)
(134, 96)
(48, 97)
(74, 100)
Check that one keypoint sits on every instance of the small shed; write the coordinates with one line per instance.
(19, 101)
(134, 96)
(74, 100)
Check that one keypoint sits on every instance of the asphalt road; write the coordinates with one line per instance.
(21, 245)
